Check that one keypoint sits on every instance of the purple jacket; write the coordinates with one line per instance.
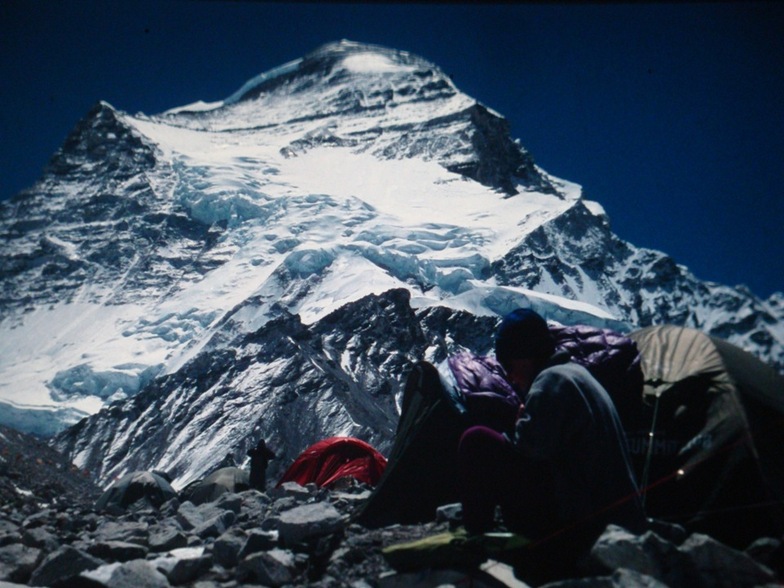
(612, 358)
(482, 386)
(480, 381)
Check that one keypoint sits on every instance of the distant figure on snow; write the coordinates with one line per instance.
(260, 457)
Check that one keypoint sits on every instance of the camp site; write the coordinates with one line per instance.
(703, 420)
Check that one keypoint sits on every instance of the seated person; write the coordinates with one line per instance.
(564, 473)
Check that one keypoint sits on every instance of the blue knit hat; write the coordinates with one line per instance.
(523, 334)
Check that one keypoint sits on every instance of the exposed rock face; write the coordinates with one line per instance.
(331, 376)
(576, 254)
(29, 468)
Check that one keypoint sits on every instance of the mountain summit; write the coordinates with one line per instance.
(388, 103)
(271, 265)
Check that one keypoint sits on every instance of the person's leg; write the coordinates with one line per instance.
(493, 474)
(485, 458)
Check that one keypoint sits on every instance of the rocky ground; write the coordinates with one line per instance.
(32, 473)
(50, 535)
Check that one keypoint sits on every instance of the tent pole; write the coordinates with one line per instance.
(649, 454)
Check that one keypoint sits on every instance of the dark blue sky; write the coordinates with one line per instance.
(669, 114)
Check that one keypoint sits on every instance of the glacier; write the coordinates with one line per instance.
(211, 262)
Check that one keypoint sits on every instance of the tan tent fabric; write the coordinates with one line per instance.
(675, 360)
(752, 376)
(672, 354)
(219, 482)
(709, 409)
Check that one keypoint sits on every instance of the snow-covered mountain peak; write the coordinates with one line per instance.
(289, 252)
(344, 77)
(367, 67)
(347, 173)
(374, 100)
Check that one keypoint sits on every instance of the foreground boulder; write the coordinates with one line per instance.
(63, 565)
(699, 561)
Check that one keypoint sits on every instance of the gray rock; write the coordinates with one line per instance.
(40, 537)
(668, 531)
(255, 496)
(720, 566)
(291, 489)
(226, 548)
(67, 522)
(622, 578)
(38, 519)
(502, 572)
(18, 561)
(285, 503)
(77, 522)
(170, 507)
(258, 541)
(440, 577)
(210, 509)
(769, 552)
(216, 525)
(10, 538)
(270, 524)
(131, 532)
(309, 521)
(348, 502)
(265, 567)
(452, 513)
(698, 561)
(255, 504)
(231, 502)
(113, 551)
(183, 565)
(114, 510)
(133, 574)
(63, 564)
(166, 539)
(189, 516)
(647, 554)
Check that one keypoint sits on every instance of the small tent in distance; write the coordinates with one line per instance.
(135, 486)
(329, 460)
(221, 481)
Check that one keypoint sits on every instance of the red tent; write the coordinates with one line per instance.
(323, 463)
